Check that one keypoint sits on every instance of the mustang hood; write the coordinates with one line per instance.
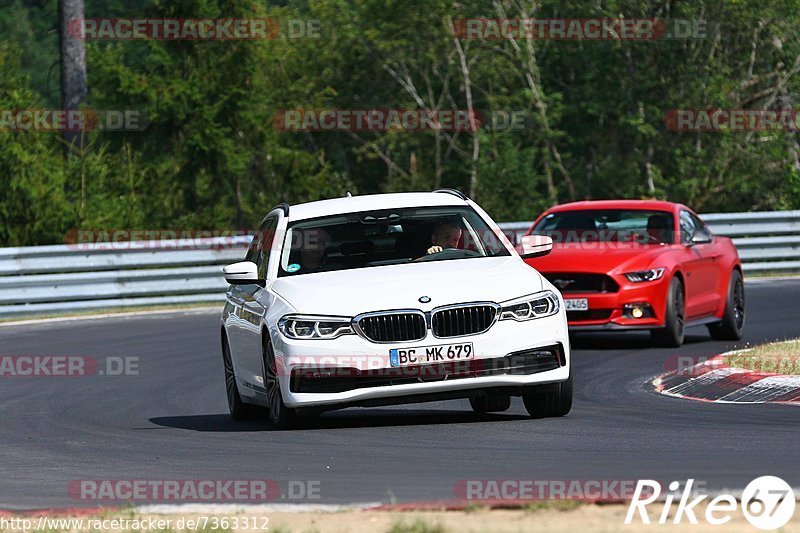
(350, 292)
(598, 258)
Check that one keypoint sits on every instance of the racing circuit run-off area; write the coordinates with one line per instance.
(399, 267)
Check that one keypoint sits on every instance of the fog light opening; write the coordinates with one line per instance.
(638, 311)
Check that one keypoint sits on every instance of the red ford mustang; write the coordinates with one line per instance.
(631, 264)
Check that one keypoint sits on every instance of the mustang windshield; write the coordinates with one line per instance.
(608, 225)
(387, 237)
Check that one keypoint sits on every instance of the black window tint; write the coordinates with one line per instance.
(387, 237)
(608, 225)
(252, 250)
(261, 246)
(265, 247)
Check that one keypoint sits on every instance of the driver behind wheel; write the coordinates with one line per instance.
(444, 235)
(313, 256)
(659, 228)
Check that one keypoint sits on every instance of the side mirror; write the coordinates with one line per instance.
(700, 237)
(242, 273)
(536, 246)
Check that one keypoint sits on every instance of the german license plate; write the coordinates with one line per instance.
(423, 355)
(576, 304)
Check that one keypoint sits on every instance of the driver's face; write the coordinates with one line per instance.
(314, 245)
(446, 237)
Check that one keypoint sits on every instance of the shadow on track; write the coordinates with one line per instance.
(343, 419)
(626, 341)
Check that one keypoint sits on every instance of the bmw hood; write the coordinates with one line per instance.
(351, 292)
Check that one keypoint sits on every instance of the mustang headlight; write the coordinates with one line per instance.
(539, 305)
(645, 275)
(314, 327)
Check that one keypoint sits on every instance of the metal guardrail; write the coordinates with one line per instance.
(768, 241)
(69, 278)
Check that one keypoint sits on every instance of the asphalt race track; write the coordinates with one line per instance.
(171, 422)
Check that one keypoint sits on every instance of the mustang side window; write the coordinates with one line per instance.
(687, 227)
(700, 227)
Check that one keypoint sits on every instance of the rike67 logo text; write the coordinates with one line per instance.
(767, 502)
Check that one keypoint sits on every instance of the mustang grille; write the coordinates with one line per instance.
(567, 282)
(463, 320)
(393, 327)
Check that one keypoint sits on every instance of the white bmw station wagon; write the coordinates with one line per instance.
(389, 299)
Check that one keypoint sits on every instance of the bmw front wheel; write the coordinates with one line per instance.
(282, 417)
(552, 400)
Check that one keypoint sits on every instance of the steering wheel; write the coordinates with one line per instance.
(450, 253)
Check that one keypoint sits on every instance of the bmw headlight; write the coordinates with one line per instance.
(539, 305)
(314, 327)
(645, 275)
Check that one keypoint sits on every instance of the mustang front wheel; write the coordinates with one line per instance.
(671, 335)
(731, 328)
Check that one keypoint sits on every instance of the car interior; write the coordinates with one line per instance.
(608, 226)
(660, 228)
(362, 245)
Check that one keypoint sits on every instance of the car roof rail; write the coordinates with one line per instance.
(454, 192)
(283, 207)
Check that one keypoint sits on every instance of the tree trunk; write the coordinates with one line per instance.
(476, 143)
(73, 68)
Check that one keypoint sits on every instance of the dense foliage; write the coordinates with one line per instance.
(211, 156)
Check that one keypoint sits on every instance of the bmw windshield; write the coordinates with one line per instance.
(387, 237)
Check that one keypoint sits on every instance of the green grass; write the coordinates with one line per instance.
(417, 526)
(772, 274)
(775, 357)
(473, 508)
(556, 505)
